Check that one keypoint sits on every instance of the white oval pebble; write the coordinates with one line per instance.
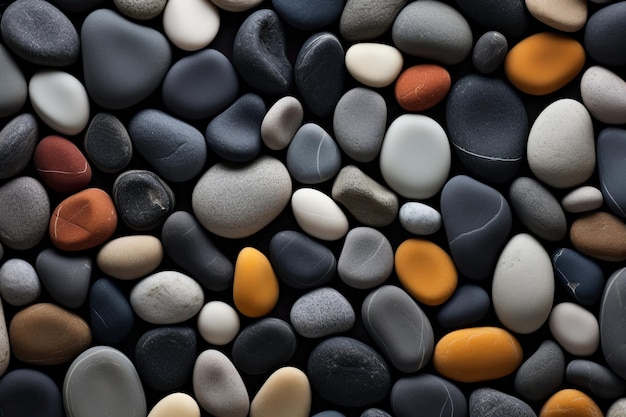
(565, 15)
(374, 64)
(191, 24)
(281, 122)
(419, 218)
(604, 94)
(218, 323)
(318, 215)
(286, 393)
(575, 328)
(177, 404)
(582, 199)
(19, 282)
(130, 257)
(60, 100)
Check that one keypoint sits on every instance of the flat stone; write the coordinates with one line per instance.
(313, 156)
(489, 52)
(19, 282)
(177, 403)
(61, 165)
(190, 25)
(12, 83)
(469, 304)
(599, 235)
(130, 257)
(368, 19)
(255, 285)
(509, 17)
(285, 393)
(366, 258)
(18, 139)
(613, 323)
(322, 312)
(318, 214)
(374, 64)
(542, 372)
(605, 35)
(419, 218)
(308, 15)
(610, 148)
(107, 143)
(281, 122)
(582, 199)
(66, 278)
(440, 396)
(596, 378)
(575, 328)
(602, 93)
(581, 277)
(566, 16)
(236, 5)
(421, 87)
(28, 392)
(218, 323)
(484, 402)
(140, 9)
(110, 313)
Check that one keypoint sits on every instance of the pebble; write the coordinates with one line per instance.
(264, 190)
(186, 242)
(604, 35)
(103, 378)
(113, 45)
(285, 393)
(142, 199)
(441, 397)
(347, 372)
(140, 9)
(107, 143)
(612, 323)
(542, 373)
(576, 403)
(260, 53)
(595, 378)
(166, 297)
(218, 387)
(359, 123)
(433, 30)
(422, 87)
(110, 313)
(18, 139)
(581, 277)
(321, 312)
(617, 409)
(176, 150)
(566, 16)
(263, 346)
(583, 199)
(575, 328)
(39, 33)
(509, 17)
(308, 15)
(218, 323)
(178, 404)
(45, 334)
(375, 412)
(499, 114)
(399, 327)
(489, 52)
(319, 73)
(61, 165)
(602, 93)
(281, 122)
(66, 278)
(599, 235)
(165, 356)
(24, 213)
(28, 392)
(419, 218)
(368, 19)
(468, 305)
(477, 220)
(611, 149)
(60, 100)
(374, 64)
(190, 25)
(313, 156)
(484, 402)
(255, 285)
(366, 258)
(329, 413)
(19, 282)
(318, 215)
(5, 348)
(415, 157)
(12, 83)
(130, 257)
(200, 85)
(236, 5)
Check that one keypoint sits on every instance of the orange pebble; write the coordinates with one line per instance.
(421, 87)
(570, 403)
(544, 62)
(255, 286)
(477, 354)
(425, 271)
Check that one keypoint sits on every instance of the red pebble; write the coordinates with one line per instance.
(61, 165)
(421, 87)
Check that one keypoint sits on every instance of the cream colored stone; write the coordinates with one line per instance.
(318, 215)
(374, 64)
(286, 393)
(177, 404)
(582, 199)
(191, 24)
(604, 94)
(565, 15)
(130, 257)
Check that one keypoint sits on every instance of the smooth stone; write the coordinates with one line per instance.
(308, 15)
(140, 9)
(60, 100)
(12, 83)
(264, 190)
(190, 25)
(583, 199)
(130, 257)
(368, 201)
(236, 5)
(542, 373)
(176, 404)
(24, 213)
(419, 218)
(537, 209)
(190, 247)
(322, 312)
(281, 122)
(103, 378)
(318, 215)
(509, 17)
(374, 64)
(595, 378)
(143, 199)
(618, 408)
(61, 165)
(176, 150)
(576, 403)
(468, 305)
(77, 5)
(604, 35)
(433, 30)
(263, 346)
(301, 262)
(489, 52)
(415, 156)
(166, 297)
(218, 323)
(499, 114)
(359, 123)
(484, 402)
(522, 291)
(18, 139)
(366, 258)
(561, 146)
(613, 322)
(39, 33)
(218, 387)
(45, 334)
(107, 143)
(368, 19)
(563, 15)
(285, 393)
(439, 396)
(319, 73)
(200, 85)
(581, 277)
(347, 372)
(110, 313)
(66, 278)
(329, 413)
(113, 45)
(255, 285)
(610, 150)
(599, 235)
(313, 156)
(422, 87)
(399, 327)
(29, 392)
(575, 328)
(165, 356)
(602, 93)
(375, 412)
(19, 282)
(260, 53)
(477, 220)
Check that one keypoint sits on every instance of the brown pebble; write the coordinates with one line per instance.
(61, 165)
(600, 235)
(421, 87)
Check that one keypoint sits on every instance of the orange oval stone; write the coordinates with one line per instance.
(570, 403)
(83, 220)
(255, 286)
(421, 87)
(477, 354)
(61, 165)
(544, 62)
(425, 271)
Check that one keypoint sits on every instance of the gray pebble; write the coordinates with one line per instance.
(375, 412)
(19, 283)
(613, 322)
(489, 52)
(617, 409)
(281, 122)
(322, 312)
(329, 413)
(542, 373)
(488, 402)
(18, 139)
(366, 259)
(367, 19)
(141, 9)
(438, 397)
(419, 218)
(107, 143)
(12, 84)
(66, 278)
(313, 156)
(595, 378)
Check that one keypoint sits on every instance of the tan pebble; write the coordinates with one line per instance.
(177, 404)
(130, 257)
(286, 393)
(5, 347)
(570, 403)
(600, 235)
(564, 15)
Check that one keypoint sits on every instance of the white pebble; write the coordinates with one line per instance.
(318, 215)
(374, 64)
(218, 323)
(575, 328)
(582, 199)
(419, 218)
(604, 94)
(191, 24)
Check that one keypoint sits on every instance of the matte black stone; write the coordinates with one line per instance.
(111, 316)
(610, 154)
(581, 277)
(27, 392)
(437, 396)
(489, 52)
(309, 14)
(542, 373)
(66, 277)
(107, 143)
(593, 377)
(313, 156)
(488, 402)
(468, 304)
(613, 322)
(77, 5)
(605, 35)
(18, 139)
(507, 16)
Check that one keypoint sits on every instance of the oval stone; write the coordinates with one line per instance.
(567, 16)
(18, 139)
(575, 328)
(596, 378)
(178, 404)
(107, 143)
(613, 322)
(600, 235)
(130, 257)
(366, 258)
(419, 218)
(61, 165)
(507, 16)
(19, 283)
(255, 285)
(611, 150)
(318, 215)
(582, 199)
(468, 305)
(484, 402)
(281, 122)
(313, 156)
(190, 25)
(439, 396)
(218, 323)
(67, 278)
(111, 316)
(421, 87)
(374, 64)
(574, 401)
(28, 392)
(140, 10)
(368, 19)
(542, 373)
(322, 312)
(605, 35)
(12, 83)
(603, 93)
(489, 51)
(285, 393)
(581, 277)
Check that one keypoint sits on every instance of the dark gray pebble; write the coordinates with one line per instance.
(489, 52)
(488, 402)
(468, 304)
(375, 412)
(12, 84)
(507, 16)
(605, 35)
(313, 156)
(28, 392)
(437, 396)
(368, 19)
(611, 151)
(581, 277)
(77, 5)
(593, 377)
(613, 322)
(542, 373)
(322, 312)
(107, 143)
(66, 277)
(110, 313)
(18, 139)
(308, 14)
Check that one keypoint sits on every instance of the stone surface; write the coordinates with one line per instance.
(13, 84)
(107, 143)
(313, 156)
(595, 378)
(321, 312)
(375, 412)
(612, 322)
(605, 35)
(509, 17)
(285, 393)
(24, 213)
(566, 16)
(485, 402)
(610, 148)
(617, 409)
(318, 215)
(468, 305)
(308, 15)
(422, 87)
(368, 19)
(29, 392)
(374, 64)
(581, 277)
(602, 92)
(599, 235)
(190, 25)
(66, 278)
(255, 285)
(130, 257)
(281, 122)
(489, 52)
(140, 9)
(61, 165)
(110, 313)
(419, 218)
(574, 401)
(575, 328)
(542, 372)
(366, 258)
(440, 396)
(18, 139)
(177, 403)
(19, 282)
(218, 323)
(582, 199)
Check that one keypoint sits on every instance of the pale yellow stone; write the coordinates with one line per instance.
(564, 15)
(130, 257)
(177, 404)
(286, 393)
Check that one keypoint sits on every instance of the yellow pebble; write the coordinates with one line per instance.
(570, 403)
(255, 286)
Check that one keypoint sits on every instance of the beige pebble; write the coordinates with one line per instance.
(177, 404)
(564, 15)
(286, 393)
(130, 257)
(600, 235)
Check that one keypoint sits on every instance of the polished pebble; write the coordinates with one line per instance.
(130, 257)
(617, 409)
(66, 278)
(19, 282)
(468, 305)
(542, 372)
(190, 25)
(440, 396)
(612, 323)
(367, 19)
(604, 35)
(218, 323)
(575, 402)
(111, 316)
(374, 64)
(366, 258)
(255, 285)
(610, 149)
(318, 214)
(422, 87)
(566, 16)
(140, 9)
(177, 403)
(29, 392)
(61, 165)
(285, 393)
(595, 378)
(24, 213)
(281, 122)
(18, 139)
(489, 52)
(107, 143)
(12, 83)
(419, 218)
(575, 328)
(313, 156)
(600, 235)
(583, 199)
(484, 402)
(602, 92)
(322, 312)
(581, 277)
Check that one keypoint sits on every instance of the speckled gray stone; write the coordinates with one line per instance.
(313, 156)
(617, 409)
(542, 373)
(322, 312)
(12, 84)
(19, 283)
(367, 19)
(281, 122)
(66, 278)
(489, 51)
(485, 402)
(419, 218)
(107, 143)
(141, 9)
(18, 139)
(375, 412)
(366, 259)
(596, 378)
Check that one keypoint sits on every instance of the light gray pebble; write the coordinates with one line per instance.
(281, 122)
(375, 412)
(489, 52)
(12, 84)
(322, 312)
(367, 19)
(542, 373)
(419, 218)
(596, 378)
(582, 199)
(617, 409)
(313, 156)
(141, 9)
(18, 139)
(485, 402)
(366, 259)
(19, 283)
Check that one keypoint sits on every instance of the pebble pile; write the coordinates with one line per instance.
(328, 208)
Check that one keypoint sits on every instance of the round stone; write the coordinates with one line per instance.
(111, 316)
(190, 25)
(285, 393)
(313, 156)
(440, 396)
(24, 213)
(140, 9)
(107, 143)
(281, 122)
(66, 278)
(12, 83)
(18, 139)
(322, 312)
(28, 392)
(602, 93)
(366, 259)
(218, 323)
(61, 165)
(575, 328)
(605, 35)
(374, 64)
(489, 52)
(130, 257)
(542, 372)
(19, 283)
(318, 215)
(422, 87)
